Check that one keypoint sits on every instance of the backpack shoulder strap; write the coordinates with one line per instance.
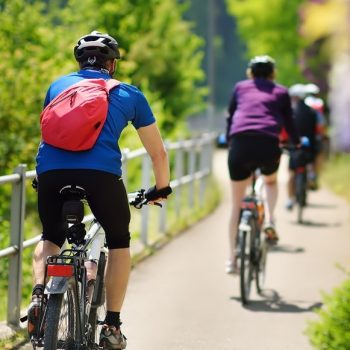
(112, 83)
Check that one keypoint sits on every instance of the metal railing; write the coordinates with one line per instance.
(193, 162)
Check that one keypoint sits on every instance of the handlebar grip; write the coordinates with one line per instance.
(153, 193)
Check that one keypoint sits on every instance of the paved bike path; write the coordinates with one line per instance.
(181, 299)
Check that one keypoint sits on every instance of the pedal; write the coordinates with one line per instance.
(24, 318)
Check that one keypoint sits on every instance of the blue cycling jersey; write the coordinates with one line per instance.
(127, 105)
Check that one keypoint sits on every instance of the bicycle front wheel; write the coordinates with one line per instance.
(61, 329)
(246, 264)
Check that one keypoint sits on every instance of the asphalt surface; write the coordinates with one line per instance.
(181, 299)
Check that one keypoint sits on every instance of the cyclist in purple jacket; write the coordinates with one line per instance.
(258, 110)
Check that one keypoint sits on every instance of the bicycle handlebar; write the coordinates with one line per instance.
(138, 200)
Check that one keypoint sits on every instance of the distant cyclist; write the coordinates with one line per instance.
(258, 109)
(306, 122)
(98, 171)
(313, 100)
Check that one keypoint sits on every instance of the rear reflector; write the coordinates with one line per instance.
(60, 270)
(247, 205)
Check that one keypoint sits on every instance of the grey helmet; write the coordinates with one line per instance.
(95, 48)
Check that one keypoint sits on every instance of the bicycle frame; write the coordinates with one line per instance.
(252, 249)
(69, 266)
(67, 276)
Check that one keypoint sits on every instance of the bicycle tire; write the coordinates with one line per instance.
(300, 191)
(61, 323)
(246, 263)
(260, 267)
(98, 308)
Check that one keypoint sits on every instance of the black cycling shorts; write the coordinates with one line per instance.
(107, 199)
(251, 151)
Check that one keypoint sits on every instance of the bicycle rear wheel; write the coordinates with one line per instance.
(98, 307)
(246, 264)
(61, 329)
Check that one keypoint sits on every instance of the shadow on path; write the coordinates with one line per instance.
(316, 224)
(286, 248)
(274, 303)
(322, 206)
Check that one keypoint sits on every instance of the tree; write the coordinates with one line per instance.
(160, 55)
(272, 29)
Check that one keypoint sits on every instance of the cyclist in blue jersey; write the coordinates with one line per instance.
(258, 109)
(98, 171)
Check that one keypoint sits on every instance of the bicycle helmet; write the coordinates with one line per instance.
(96, 48)
(312, 89)
(297, 90)
(261, 66)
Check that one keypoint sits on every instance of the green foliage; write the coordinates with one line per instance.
(271, 29)
(331, 330)
(335, 175)
(160, 55)
(229, 63)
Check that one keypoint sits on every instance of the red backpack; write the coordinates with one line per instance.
(74, 119)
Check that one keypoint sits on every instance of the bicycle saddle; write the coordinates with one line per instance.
(73, 207)
(73, 192)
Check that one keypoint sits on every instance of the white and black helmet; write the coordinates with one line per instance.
(96, 47)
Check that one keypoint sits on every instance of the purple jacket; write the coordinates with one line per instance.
(260, 105)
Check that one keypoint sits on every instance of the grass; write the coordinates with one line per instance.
(15, 341)
(335, 174)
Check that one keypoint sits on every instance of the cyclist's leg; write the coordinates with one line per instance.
(49, 208)
(290, 190)
(240, 169)
(41, 252)
(291, 181)
(53, 227)
(117, 275)
(238, 190)
(271, 194)
(269, 167)
(109, 204)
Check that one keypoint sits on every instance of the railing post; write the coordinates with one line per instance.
(191, 170)
(162, 218)
(146, 172)
(15, 261)
(163, 212)
(202, 167)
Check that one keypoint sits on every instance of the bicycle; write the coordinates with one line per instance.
(252, 246)
(72, 312)
(300, 159)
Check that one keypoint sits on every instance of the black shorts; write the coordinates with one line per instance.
(107, 199)
(251, 151)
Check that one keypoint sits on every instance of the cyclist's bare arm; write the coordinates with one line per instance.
(153, 143)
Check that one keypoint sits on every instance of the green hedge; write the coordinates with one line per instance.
(331, 331)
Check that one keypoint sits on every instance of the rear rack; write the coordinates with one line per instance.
(64, 265)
